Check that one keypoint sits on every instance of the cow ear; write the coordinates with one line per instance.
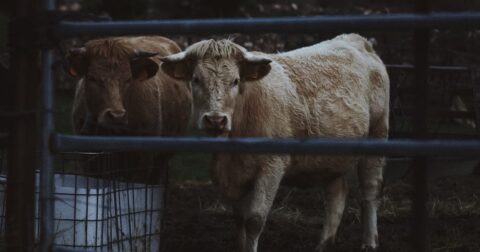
(176, 66)
(76, 62)
(254, 67)
(143, 68)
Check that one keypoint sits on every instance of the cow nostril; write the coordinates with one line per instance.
(117, 115)
(209, 120)
(216, 121)
(223, 121)
(206, 119)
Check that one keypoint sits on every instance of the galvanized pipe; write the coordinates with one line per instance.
(46, 159)
(45, 165)
(73, 143)
(312, 24)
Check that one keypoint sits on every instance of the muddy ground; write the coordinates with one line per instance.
(197, 221)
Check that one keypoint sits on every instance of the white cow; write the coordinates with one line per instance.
(335, 89)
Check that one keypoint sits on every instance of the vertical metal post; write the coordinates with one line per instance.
(22, 151)
(45, 165)
(420, 230)
(46, 198)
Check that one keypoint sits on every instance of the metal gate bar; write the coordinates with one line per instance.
(73, 143)
(313, 24)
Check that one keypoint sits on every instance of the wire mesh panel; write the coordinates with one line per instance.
(98, 207)
(451, 100)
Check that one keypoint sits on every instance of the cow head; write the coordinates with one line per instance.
(218, 71)
(107, 76)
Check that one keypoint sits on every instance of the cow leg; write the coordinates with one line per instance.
(370, 173)
(249, 226)
(252, 210)
(335, 197)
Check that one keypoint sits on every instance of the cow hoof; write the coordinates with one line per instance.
(368, 249)
(326, 246)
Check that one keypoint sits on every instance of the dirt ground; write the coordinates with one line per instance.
(196, 220)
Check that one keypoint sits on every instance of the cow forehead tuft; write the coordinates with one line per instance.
(111, 48)
(215, 49)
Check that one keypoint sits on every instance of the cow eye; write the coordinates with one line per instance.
(195, 80)
(235, 82)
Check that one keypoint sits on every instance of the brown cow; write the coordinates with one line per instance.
(335, 89)
(123, 93)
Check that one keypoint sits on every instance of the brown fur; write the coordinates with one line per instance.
(156, 105)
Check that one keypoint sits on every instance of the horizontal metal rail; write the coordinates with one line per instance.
(432, 67)
(311, 24)
(71, 143)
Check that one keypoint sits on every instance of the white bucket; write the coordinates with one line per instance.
(102, 214)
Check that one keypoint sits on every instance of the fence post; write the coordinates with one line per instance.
(45, 165)
(420, 230)
(22, 149)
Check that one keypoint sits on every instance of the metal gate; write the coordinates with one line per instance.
(43, 28)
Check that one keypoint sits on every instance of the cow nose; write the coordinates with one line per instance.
(215, 121)
(116, 116)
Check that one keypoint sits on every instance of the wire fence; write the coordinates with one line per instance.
(98, 205)
(451, 104)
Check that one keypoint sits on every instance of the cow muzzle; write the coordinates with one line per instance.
(215, 124)
(113, 118)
